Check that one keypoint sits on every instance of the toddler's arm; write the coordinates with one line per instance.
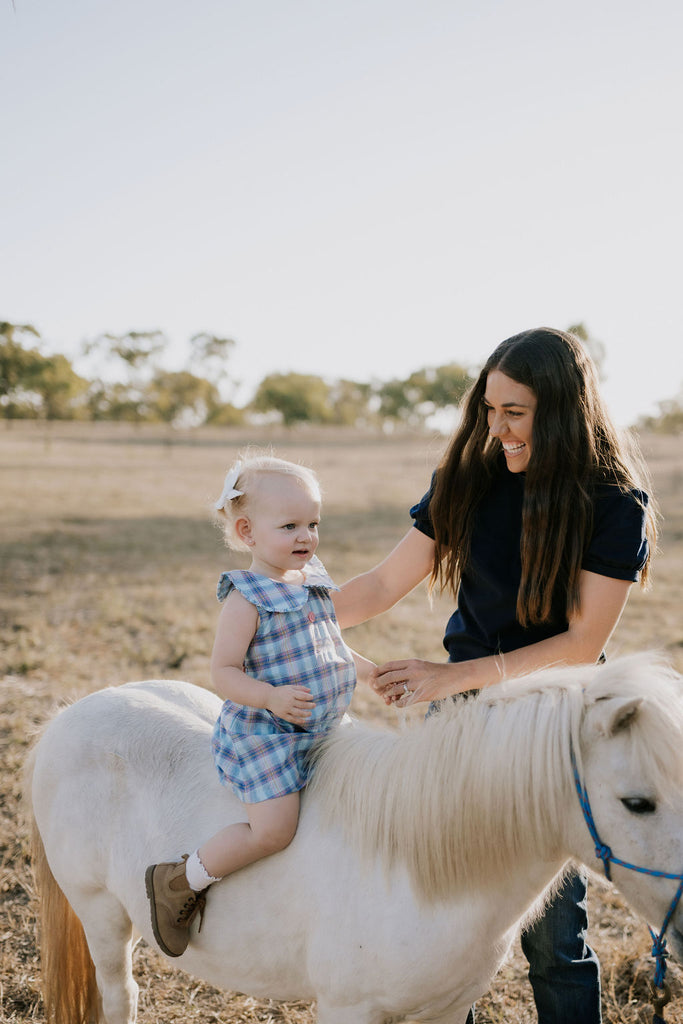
(364, 668)
(236, 627)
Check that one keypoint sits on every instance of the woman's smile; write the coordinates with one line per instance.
(513, 449)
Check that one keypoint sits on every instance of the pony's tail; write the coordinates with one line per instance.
(69, 987)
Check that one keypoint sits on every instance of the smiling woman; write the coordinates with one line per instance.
(538, 523)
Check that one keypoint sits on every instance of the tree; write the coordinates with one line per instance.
(181, 398)
(106, 401)
(59, 386)
(209, 353)
(31, 384)
(669, 419)
(17, 362)
(226, 415)
(445, 385)
(297, 397)
(350, 403)
(596, 348)
(399, 400)
(139, 352)
(423, 393)
(137, 349)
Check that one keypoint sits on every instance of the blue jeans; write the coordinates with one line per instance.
(563, 970)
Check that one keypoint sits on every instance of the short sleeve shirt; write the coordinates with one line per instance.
(485, 620)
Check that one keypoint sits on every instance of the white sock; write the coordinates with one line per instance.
(197, 876)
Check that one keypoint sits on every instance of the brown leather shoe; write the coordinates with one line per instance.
(174, 905)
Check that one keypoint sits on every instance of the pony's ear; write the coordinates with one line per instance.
(616, 713)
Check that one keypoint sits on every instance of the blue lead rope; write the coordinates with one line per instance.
(659, 951)
(604, 853)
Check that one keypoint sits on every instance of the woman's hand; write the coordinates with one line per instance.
(294, 704)
(403, 683)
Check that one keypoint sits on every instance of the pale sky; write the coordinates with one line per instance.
(348, 188)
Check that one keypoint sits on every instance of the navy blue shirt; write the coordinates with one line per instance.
(485, 620)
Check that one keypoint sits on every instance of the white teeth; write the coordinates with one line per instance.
(513, 447)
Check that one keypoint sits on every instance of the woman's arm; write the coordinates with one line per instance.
(236, 627)
(376, 591)
(602, 600)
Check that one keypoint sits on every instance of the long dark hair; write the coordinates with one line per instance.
(574, 447)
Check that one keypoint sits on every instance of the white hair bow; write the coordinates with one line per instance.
(229, 491)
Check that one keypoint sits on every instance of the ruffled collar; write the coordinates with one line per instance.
(274, 595)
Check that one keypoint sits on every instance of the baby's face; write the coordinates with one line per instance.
(283, 518)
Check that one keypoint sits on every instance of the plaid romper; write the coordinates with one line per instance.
(297, 641)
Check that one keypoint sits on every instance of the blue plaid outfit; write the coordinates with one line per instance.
(297, 641)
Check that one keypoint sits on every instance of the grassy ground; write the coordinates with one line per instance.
(109, 559)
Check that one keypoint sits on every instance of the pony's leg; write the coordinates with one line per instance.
(109, 932)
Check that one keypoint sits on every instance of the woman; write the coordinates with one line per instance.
(536, 519)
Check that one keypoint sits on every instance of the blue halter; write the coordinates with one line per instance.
(604, 853)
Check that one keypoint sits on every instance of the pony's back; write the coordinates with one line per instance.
(139, 757)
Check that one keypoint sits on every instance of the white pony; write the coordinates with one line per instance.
(416, 856)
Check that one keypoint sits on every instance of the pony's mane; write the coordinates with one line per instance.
(488, 778)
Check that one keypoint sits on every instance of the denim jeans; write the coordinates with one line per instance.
(563, 970)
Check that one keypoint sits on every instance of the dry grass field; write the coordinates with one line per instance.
(108, 561)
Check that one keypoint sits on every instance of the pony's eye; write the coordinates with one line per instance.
(639, 804)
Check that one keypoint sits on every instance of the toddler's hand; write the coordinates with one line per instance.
(292, 703)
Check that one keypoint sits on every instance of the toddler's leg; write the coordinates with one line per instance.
(177, 891)
(271, 827)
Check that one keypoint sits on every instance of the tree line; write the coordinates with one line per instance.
(128, 381)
